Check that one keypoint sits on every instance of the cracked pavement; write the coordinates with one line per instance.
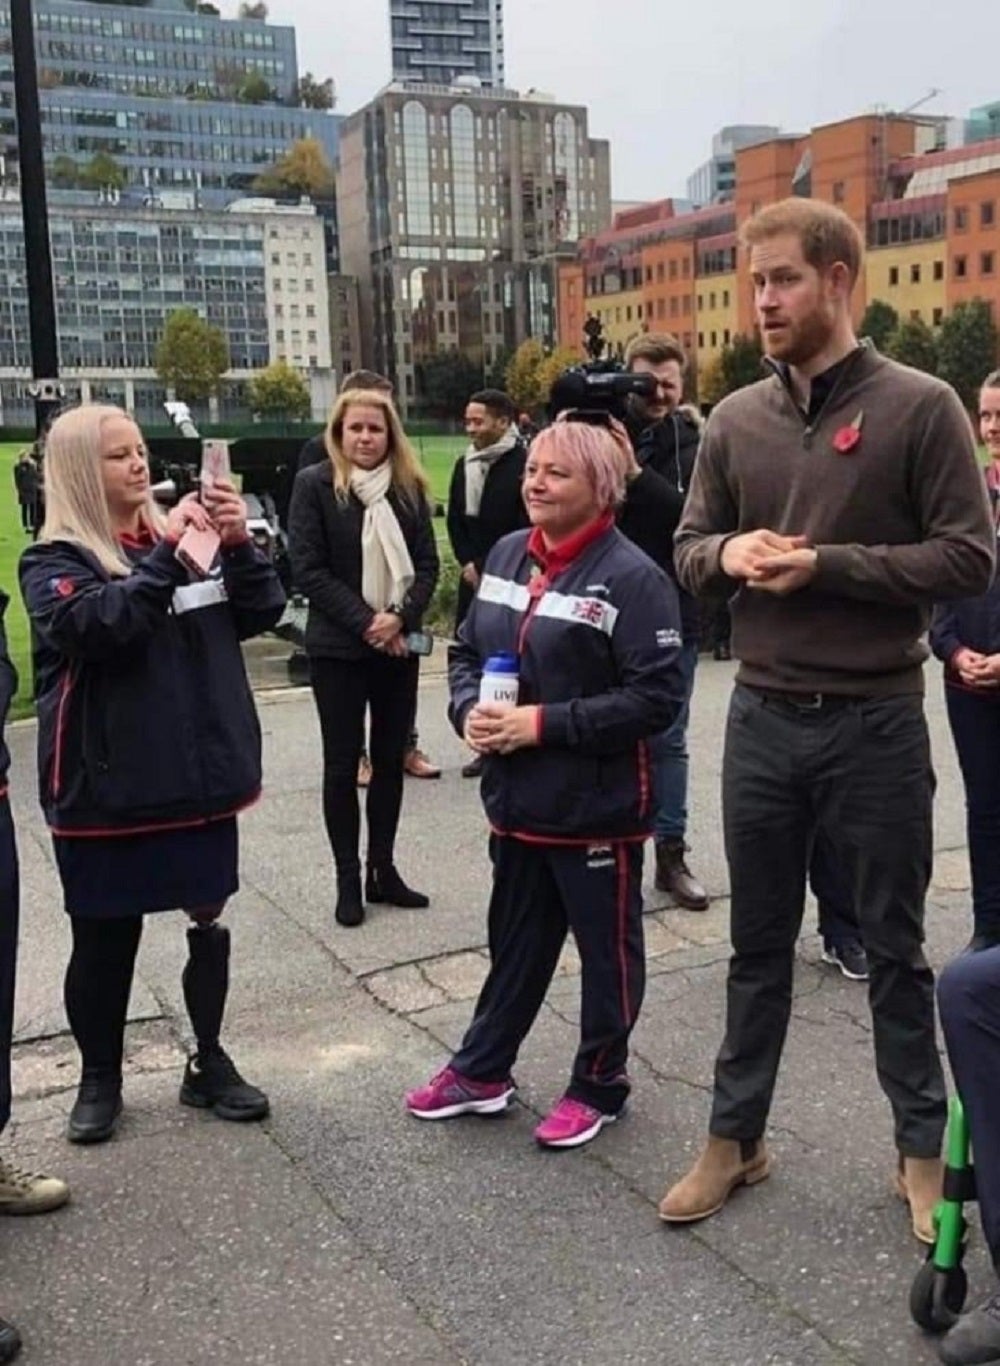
(343, 1231)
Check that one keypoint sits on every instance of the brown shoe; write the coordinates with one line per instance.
(24, 1192)
(919, 1181)
(724, 1164)
(674, 876)
(417, 765)
(364, 771)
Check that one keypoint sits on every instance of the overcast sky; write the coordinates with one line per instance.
(659, 78)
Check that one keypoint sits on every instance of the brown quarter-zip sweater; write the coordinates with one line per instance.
(899, 521)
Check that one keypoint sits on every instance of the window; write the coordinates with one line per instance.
(659, 272)
(960, 264)
(711, 302)
(961, 219)
(701, 304)
(701, 340)
(986, 263)
(715, 339)
(628, 313)
(894, 275)
(673, 270)
(725, 298)
(914, 315)
(987, 214)
(649, 275)
(838, 192)
(661, 308)
(937, 317)
(725, 337)
(915, 275)
(939, 270)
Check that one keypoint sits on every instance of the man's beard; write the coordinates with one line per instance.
(803, 341)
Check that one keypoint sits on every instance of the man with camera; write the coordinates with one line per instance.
(665, 438)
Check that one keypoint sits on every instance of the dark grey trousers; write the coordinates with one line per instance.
(860, 771)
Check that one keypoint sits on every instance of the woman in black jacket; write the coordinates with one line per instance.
(148, 741)
(363, 551)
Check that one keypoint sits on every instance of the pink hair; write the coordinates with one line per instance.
(590, 451)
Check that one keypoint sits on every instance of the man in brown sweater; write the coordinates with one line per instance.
(836, 500)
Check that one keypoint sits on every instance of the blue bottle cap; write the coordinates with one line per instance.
(501, 664)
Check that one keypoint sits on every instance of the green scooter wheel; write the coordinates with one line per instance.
(937, 1297)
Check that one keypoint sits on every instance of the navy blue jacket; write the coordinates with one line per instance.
(145, 716)
(972, 622)
(8, 687)
(598, 650)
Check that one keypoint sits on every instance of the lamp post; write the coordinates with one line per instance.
(45, 389)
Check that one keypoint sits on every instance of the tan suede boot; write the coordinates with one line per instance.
(919, 1182)
(724, 1164)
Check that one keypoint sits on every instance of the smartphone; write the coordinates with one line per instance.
(420, 642)
(197, 550)
(214, 463)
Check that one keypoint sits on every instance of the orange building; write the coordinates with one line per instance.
(571, 307)
(973, 269)
(668, 288)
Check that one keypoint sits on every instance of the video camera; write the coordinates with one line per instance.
(598, 390)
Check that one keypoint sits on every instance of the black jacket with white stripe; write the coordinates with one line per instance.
(598, 647)
(145, 716)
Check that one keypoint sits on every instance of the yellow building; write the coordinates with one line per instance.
(622, 316)
(910, 278)
(714, 314)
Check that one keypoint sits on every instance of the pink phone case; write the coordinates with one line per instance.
(214, 462)
(197, 550)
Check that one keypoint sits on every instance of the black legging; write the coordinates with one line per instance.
(98, 986)
(343, 688)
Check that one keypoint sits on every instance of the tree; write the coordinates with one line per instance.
(553, 366)
(496, 373)
(879, 322)
(102, 172)
(250, 10)
(254, 89)
(740, 362)
(192, 356)
(523, 379)
(711, 381)
(304, 169)
(313, 94)
(446, 380)
(967, 349)
(64, 172)
(912, 343)
(280, 392)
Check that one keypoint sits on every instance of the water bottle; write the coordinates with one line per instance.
(499, 683)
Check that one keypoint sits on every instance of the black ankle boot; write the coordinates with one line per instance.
(94, 1116)
(350, 908)
(383, 884)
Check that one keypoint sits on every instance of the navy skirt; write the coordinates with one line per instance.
(168, 870)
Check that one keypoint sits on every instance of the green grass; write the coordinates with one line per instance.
(438, 455)
(12, 542)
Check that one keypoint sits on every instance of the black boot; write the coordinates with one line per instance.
(383, 884)
(350, 908)
(98, 1104)
(211, 1080)
(10, 1341)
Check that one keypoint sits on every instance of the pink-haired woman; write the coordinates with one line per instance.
(591, 628)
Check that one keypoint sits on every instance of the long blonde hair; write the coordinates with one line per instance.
(76, 507)
(408, 476)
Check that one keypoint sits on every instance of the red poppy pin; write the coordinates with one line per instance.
(845, 439)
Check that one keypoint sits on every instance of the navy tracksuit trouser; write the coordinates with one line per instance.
(539, 892)
(9, 888)
(969, 1004)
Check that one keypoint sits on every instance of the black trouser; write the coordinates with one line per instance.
(861, 772)
(540, 891)
(969, 1000)
(28, 517)
(832, 889)
(975, 728)
(343, 688)
(9, 904)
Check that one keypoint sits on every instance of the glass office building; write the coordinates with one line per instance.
(436, 41)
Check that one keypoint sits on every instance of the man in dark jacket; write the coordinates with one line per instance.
(416, 762)
(484, 500)
(20, 1192)
(665, 438)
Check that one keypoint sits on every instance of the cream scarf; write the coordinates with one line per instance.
(478, 465)
(386, 567)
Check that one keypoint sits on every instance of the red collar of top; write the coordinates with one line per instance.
(554, 559)
(139, 540)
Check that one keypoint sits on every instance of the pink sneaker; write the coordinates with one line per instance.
(571, 1124)
(449, 1094)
